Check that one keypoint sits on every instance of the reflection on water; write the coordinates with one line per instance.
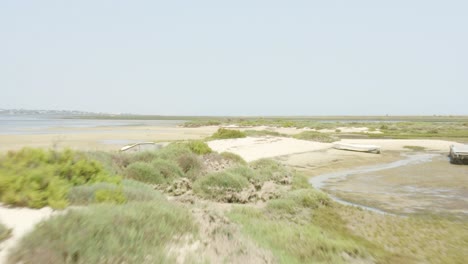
(24, 124)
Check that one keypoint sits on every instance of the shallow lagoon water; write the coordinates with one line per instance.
(43, 124)
(419, 182)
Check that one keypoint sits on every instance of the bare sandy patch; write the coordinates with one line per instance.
(253, 148)
(20, 221)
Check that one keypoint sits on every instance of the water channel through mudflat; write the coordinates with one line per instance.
(419, 182)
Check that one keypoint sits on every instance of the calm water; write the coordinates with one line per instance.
(24, 124)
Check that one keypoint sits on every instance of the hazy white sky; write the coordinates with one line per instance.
(236, 57)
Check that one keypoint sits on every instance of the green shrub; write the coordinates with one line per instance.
(38, 178)
(268, 169)
(223, 133)
(168, 170)
(130, 190)
(142, 171)
(4, 232)
(244, 171)
(110, 196)
(191, 165)
(129, 233)
(173, 151)
(157, 172)
(199, 147)
(215, 185)
(233, 157)
(139, 192)
(315, 136)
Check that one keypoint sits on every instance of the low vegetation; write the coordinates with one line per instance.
(158, 171)
(215, 185)
(269, 170)
(302, 228)
(316, 136)
(416, 239)
(4, 232)
(37, 178)
(415, 148)
(199, 147)
(130, 233)
(129, 191)
(223, 133)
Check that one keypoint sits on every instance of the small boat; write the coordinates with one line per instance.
(132, 146)
(357, 147)
(458, 154)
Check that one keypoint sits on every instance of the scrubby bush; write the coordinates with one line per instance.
(268, 169)
(191, 165)
(315, 136)
(309, 198)
(129, 233)
(243, 171)
(215, 185)
(223, 133)
(233, 157)
(173, 151)
(141, 171)
(139, 192)
(199, 147)
(38, 178)
(158, 172)
(128, 191)
(4, 232)
(110, 196)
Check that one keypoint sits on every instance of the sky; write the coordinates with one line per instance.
(399, 57)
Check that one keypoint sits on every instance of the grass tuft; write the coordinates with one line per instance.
(129, 233)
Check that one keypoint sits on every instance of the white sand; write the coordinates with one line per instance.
(20, 221)
(252, 148)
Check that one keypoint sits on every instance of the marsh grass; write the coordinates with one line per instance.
(421, 238)
(302, 227)
(4, 232)
(268, 169)
(129, 233)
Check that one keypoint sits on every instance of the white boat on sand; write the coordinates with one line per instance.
(357, 147)
(459, 154)
(139, 146)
